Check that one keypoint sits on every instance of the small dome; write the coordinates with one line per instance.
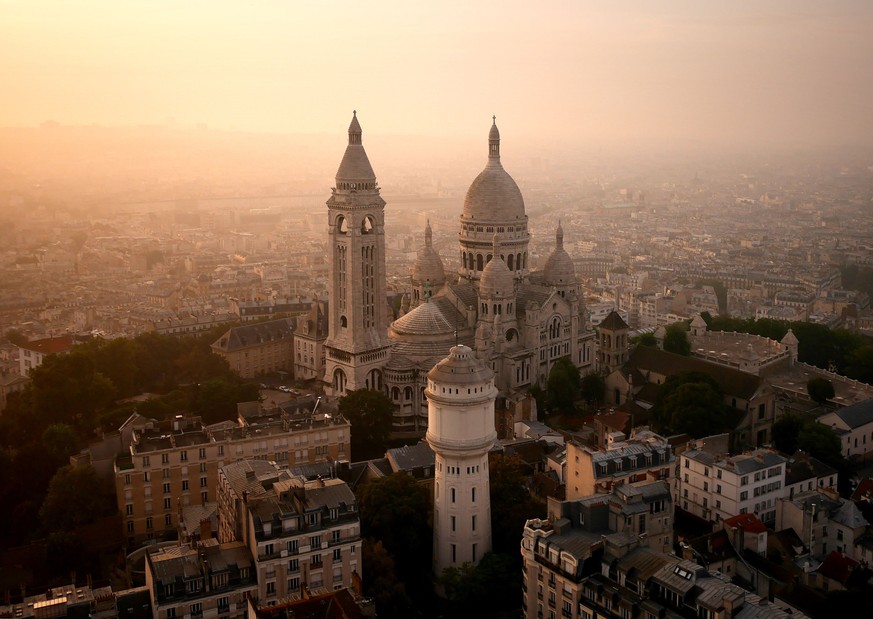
(698, 322)
(790, 339)
(426, 319)
(493, 195)
(461, 367)
(559, 270)
(496, 280)
(428, 266)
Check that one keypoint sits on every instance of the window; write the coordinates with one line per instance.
(293, 566)
(167, 488)
(316, 560)
(292, 547)
(183, 456)
(474, 523)
(202, 467)
(335, 536)
(168, 503)
(744, 495)
(221, 450)
(202, 453)
(204, 497)
(197, 609)
(454, 553)
(149, 526)
(168, 520)
(293, 584)
(127, 479)
(203, 482)
(315, 541)
(165, 458)
(128, 509)
(453, 495)
(337, 554)
(223, 604)
(271, 588)
(453, 523)
(184, 485)
(171, 613)
(473, 494)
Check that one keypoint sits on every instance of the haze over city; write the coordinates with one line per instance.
(452, 309)
(770, 72)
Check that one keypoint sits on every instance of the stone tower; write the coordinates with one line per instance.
(460, 394)
(614, 347)
(357, 345)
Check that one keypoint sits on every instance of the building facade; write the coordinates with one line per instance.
(257, 349)
(174, 464)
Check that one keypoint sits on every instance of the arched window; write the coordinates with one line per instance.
(339, 381)
(479, 264)
(510, 262)
(344, 322)
(342, 225)
(395, 394)
(407, 394)
(367, 224)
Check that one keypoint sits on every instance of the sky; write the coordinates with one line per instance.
(699, 71)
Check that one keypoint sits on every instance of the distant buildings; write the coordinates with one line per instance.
(258, 348)
(32, 354)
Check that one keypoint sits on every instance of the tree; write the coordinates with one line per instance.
(14, 336)
(648, 339)
(676, 340)
(563, 385)
(479, 590)
(75, 496)
(382, 583)
(821, 442)
(690, 402)
(539, 395)
(511, 503)
(60, 442)
(820, 389)
(369, 412)
(785, 432)
(394, 510)
(592, 387)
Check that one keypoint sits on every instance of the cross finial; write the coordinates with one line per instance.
(354, 112)
(494, 119)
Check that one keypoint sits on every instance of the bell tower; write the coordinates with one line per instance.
(357, 345)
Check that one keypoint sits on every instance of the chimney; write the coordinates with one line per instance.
(205, 529)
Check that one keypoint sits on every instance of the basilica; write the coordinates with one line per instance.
(518, 322)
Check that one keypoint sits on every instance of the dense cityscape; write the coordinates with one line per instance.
(436, 371)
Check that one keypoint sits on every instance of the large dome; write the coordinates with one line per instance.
(493, 195)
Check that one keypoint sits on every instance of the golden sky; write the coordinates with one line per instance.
(758, 71)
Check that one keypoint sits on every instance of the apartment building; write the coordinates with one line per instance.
(33, 353)
(259, 348)
(644, 456)
(559, 552)
(716, 486)
(825, 523)
(854, 425)
(173, 464)
(207, 580)
(304, 535)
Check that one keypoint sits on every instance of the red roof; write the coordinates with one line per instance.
(51, 345)
(864, 490)
(746, 522)
(837, 566)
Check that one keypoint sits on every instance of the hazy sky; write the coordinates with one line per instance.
(668, 70)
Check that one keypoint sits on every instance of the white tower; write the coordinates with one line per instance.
(460, 430)
(357, 345)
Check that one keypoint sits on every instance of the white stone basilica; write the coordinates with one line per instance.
(516, 321)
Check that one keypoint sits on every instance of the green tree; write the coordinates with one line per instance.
(692, 403)
(821, 442)
(394, 511)
(648, 339)
(859, 364)
(369, 412)
(382, 582)
(592, 387)
(16, 337)
(60, 442)
(563, 386)
(676, 340)
(786, 429)
(511, 503)
(480, 590)
(820, 389)
(539, 395)
(75, 496)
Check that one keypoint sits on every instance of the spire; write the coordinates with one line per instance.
(354, 129)
(495, 242)
(559, 237)
(428, 235)
(494, 141)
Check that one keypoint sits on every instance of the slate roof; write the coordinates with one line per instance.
(802, 466)
(256, 334)
(614, 321)
(411, 457)
(857, 415)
